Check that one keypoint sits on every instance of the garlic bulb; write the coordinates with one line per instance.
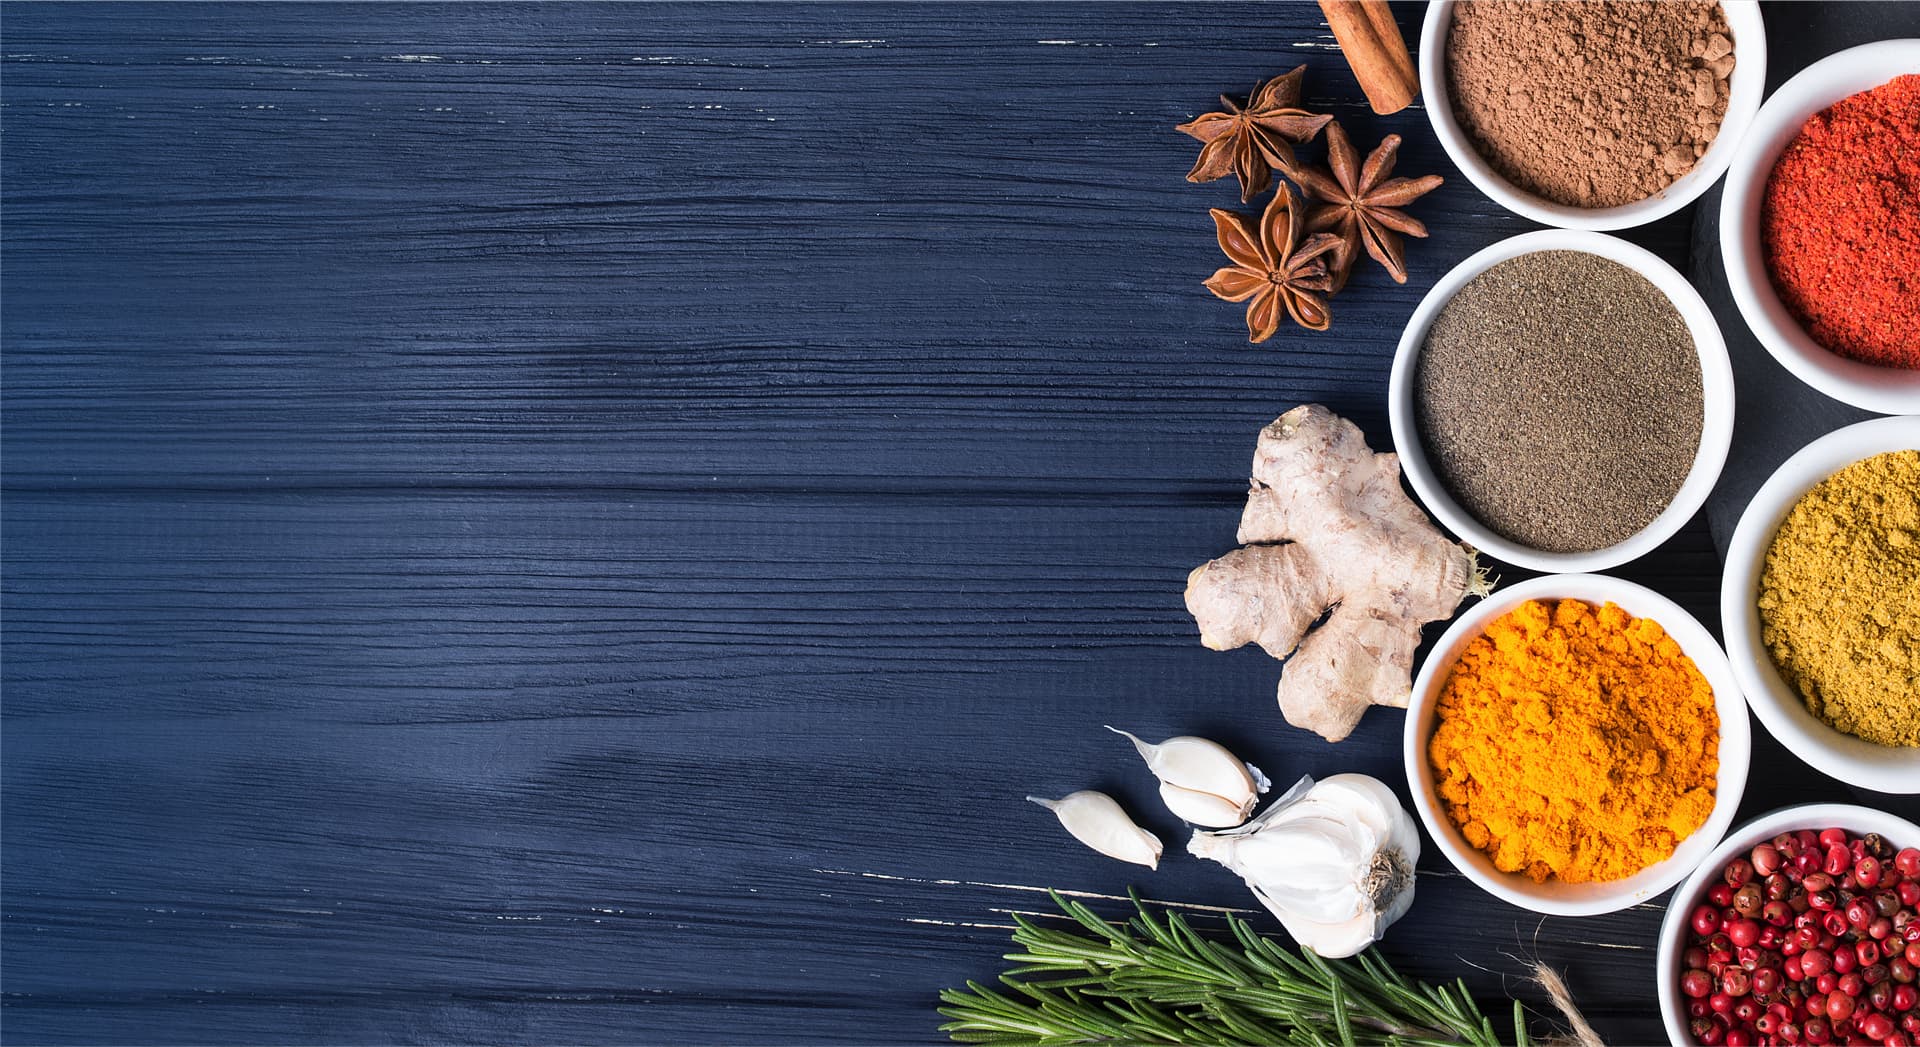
(1333, 860)
(1200, 781)
(1096, 820)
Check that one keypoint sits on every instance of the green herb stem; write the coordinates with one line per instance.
(1154, 979)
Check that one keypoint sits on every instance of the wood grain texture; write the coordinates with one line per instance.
(579, 523)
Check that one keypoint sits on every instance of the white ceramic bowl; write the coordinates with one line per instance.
(1555, 897)
(1852, 760)
(1717, 401)
(1815, 816)
(1744, 86)
(1887, 390)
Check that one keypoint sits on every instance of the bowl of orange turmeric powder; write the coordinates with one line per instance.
(1576, 744)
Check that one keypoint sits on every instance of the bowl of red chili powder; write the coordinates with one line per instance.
(1820, 226)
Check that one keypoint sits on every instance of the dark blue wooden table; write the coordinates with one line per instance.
(580, 524)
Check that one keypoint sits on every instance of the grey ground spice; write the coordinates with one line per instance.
(1558, 397)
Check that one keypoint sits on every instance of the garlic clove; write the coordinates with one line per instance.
(1304, 867)
(1096, 819)
(1193, 763)
(1386, 816)
(1336, 941)
(1198, 808)
(1200, 780)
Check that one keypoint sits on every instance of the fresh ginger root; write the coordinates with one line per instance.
(1327, 526)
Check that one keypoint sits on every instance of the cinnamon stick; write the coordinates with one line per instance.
(1371, 40)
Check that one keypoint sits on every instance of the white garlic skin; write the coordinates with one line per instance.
(1334, 860)
(1097, 820)
(1201, 781)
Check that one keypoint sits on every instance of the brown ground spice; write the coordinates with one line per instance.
(1840, 599)
(1590, 103)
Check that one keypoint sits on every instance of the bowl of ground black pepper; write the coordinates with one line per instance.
(1820, 604)
(1820, 226)
(1562, 401)
(1592, 114)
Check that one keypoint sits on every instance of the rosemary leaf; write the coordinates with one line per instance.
(1341, 1026)
(1154, 979)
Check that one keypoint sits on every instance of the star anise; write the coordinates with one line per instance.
(1251, 141)
(1360, 204)
(1273, 267)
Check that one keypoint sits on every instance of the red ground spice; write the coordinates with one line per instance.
(1840, 225)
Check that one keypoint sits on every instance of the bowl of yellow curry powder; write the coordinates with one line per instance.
(1820, 604)
(1576, 744)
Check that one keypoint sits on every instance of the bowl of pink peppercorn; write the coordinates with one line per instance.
(1802, 927)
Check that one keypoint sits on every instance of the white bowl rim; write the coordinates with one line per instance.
(1883, 390)
(1853, 817)
(1745, 89)
(1778, 706)
(1734, 750)
(1717, 402)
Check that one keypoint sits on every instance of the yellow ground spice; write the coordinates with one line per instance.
(1575, 742)
(1840, 599)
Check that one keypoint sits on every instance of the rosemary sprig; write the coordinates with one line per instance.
(1155, 980)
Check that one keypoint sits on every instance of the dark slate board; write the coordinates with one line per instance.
(579, 523)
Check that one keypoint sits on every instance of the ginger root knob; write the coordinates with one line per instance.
(1327, 528)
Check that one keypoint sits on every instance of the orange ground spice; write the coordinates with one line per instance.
(1575, 742)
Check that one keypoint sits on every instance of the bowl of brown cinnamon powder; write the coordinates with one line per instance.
(1592, 114)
